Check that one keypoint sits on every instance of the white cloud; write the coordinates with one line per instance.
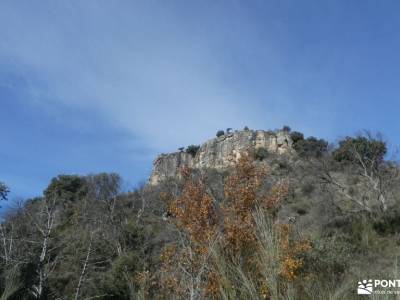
(137, 66)
(172, 75)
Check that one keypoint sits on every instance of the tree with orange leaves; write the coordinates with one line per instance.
(230, 234)
(245, 202)
(186, 264)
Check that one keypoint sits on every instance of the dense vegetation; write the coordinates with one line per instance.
(302, 226)
(192, 149)
(220, 133)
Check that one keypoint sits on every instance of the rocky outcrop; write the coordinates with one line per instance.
(220, 152)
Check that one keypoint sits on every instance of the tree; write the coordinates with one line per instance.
(45, 222)
(296, 136)
(310, 147)
(3, 191)
(84, 267)
(365, 151)
(185, 266)
(220, 133)
(103, 187)
(192, 149)
(67, 188)
(363, 157)
(223, 247)
(82, 240)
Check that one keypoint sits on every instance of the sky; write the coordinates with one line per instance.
(105, 86)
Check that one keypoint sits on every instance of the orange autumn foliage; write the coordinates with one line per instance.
(241, 197)
(202, 222)
(290, 249)
(194, 212)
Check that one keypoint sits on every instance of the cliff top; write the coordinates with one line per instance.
(220, 152)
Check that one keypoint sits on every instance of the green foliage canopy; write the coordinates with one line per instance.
(310, 147)
(220, 133)
(296, 136)
(261, 153)
(359, 149)
(192, 149)
(66, 187)
(3, 191)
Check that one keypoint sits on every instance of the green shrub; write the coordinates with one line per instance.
(359, 149)
(261, 153)
(311, 147)
(389, 224)
(286, 128)
(192, 149)
(301, 205)
(329, 258)
(3, 191)
(67, 187)
(301, 211)
(307, 189)
(283, 164)
(220, 133)
(296, 136)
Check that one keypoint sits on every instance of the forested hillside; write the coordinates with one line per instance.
(302, 225)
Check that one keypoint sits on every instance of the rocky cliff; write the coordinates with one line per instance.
(220, 152)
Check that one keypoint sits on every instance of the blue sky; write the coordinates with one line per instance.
(91, 86)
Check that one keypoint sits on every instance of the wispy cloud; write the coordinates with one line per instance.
(136, 65)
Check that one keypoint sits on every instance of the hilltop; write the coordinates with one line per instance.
(221, 152)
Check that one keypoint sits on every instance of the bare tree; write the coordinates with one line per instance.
(7, 241)
(44, 222)
(84, 268)
(369, 178)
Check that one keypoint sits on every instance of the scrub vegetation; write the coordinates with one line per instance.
(305, 225)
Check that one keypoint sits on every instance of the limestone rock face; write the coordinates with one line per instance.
(168, 165)
(220, 152)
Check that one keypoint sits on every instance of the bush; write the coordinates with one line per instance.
(67, 187)
(307, 189)
(286, 128)
(311, 147)
(301, 206)
(271, 254)
(296, 136)
(192, 149)
(283, 164)
(261, 153)
(220, 133)
(361, 148)
(301, 211)
(389, 224)
(3, 191)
